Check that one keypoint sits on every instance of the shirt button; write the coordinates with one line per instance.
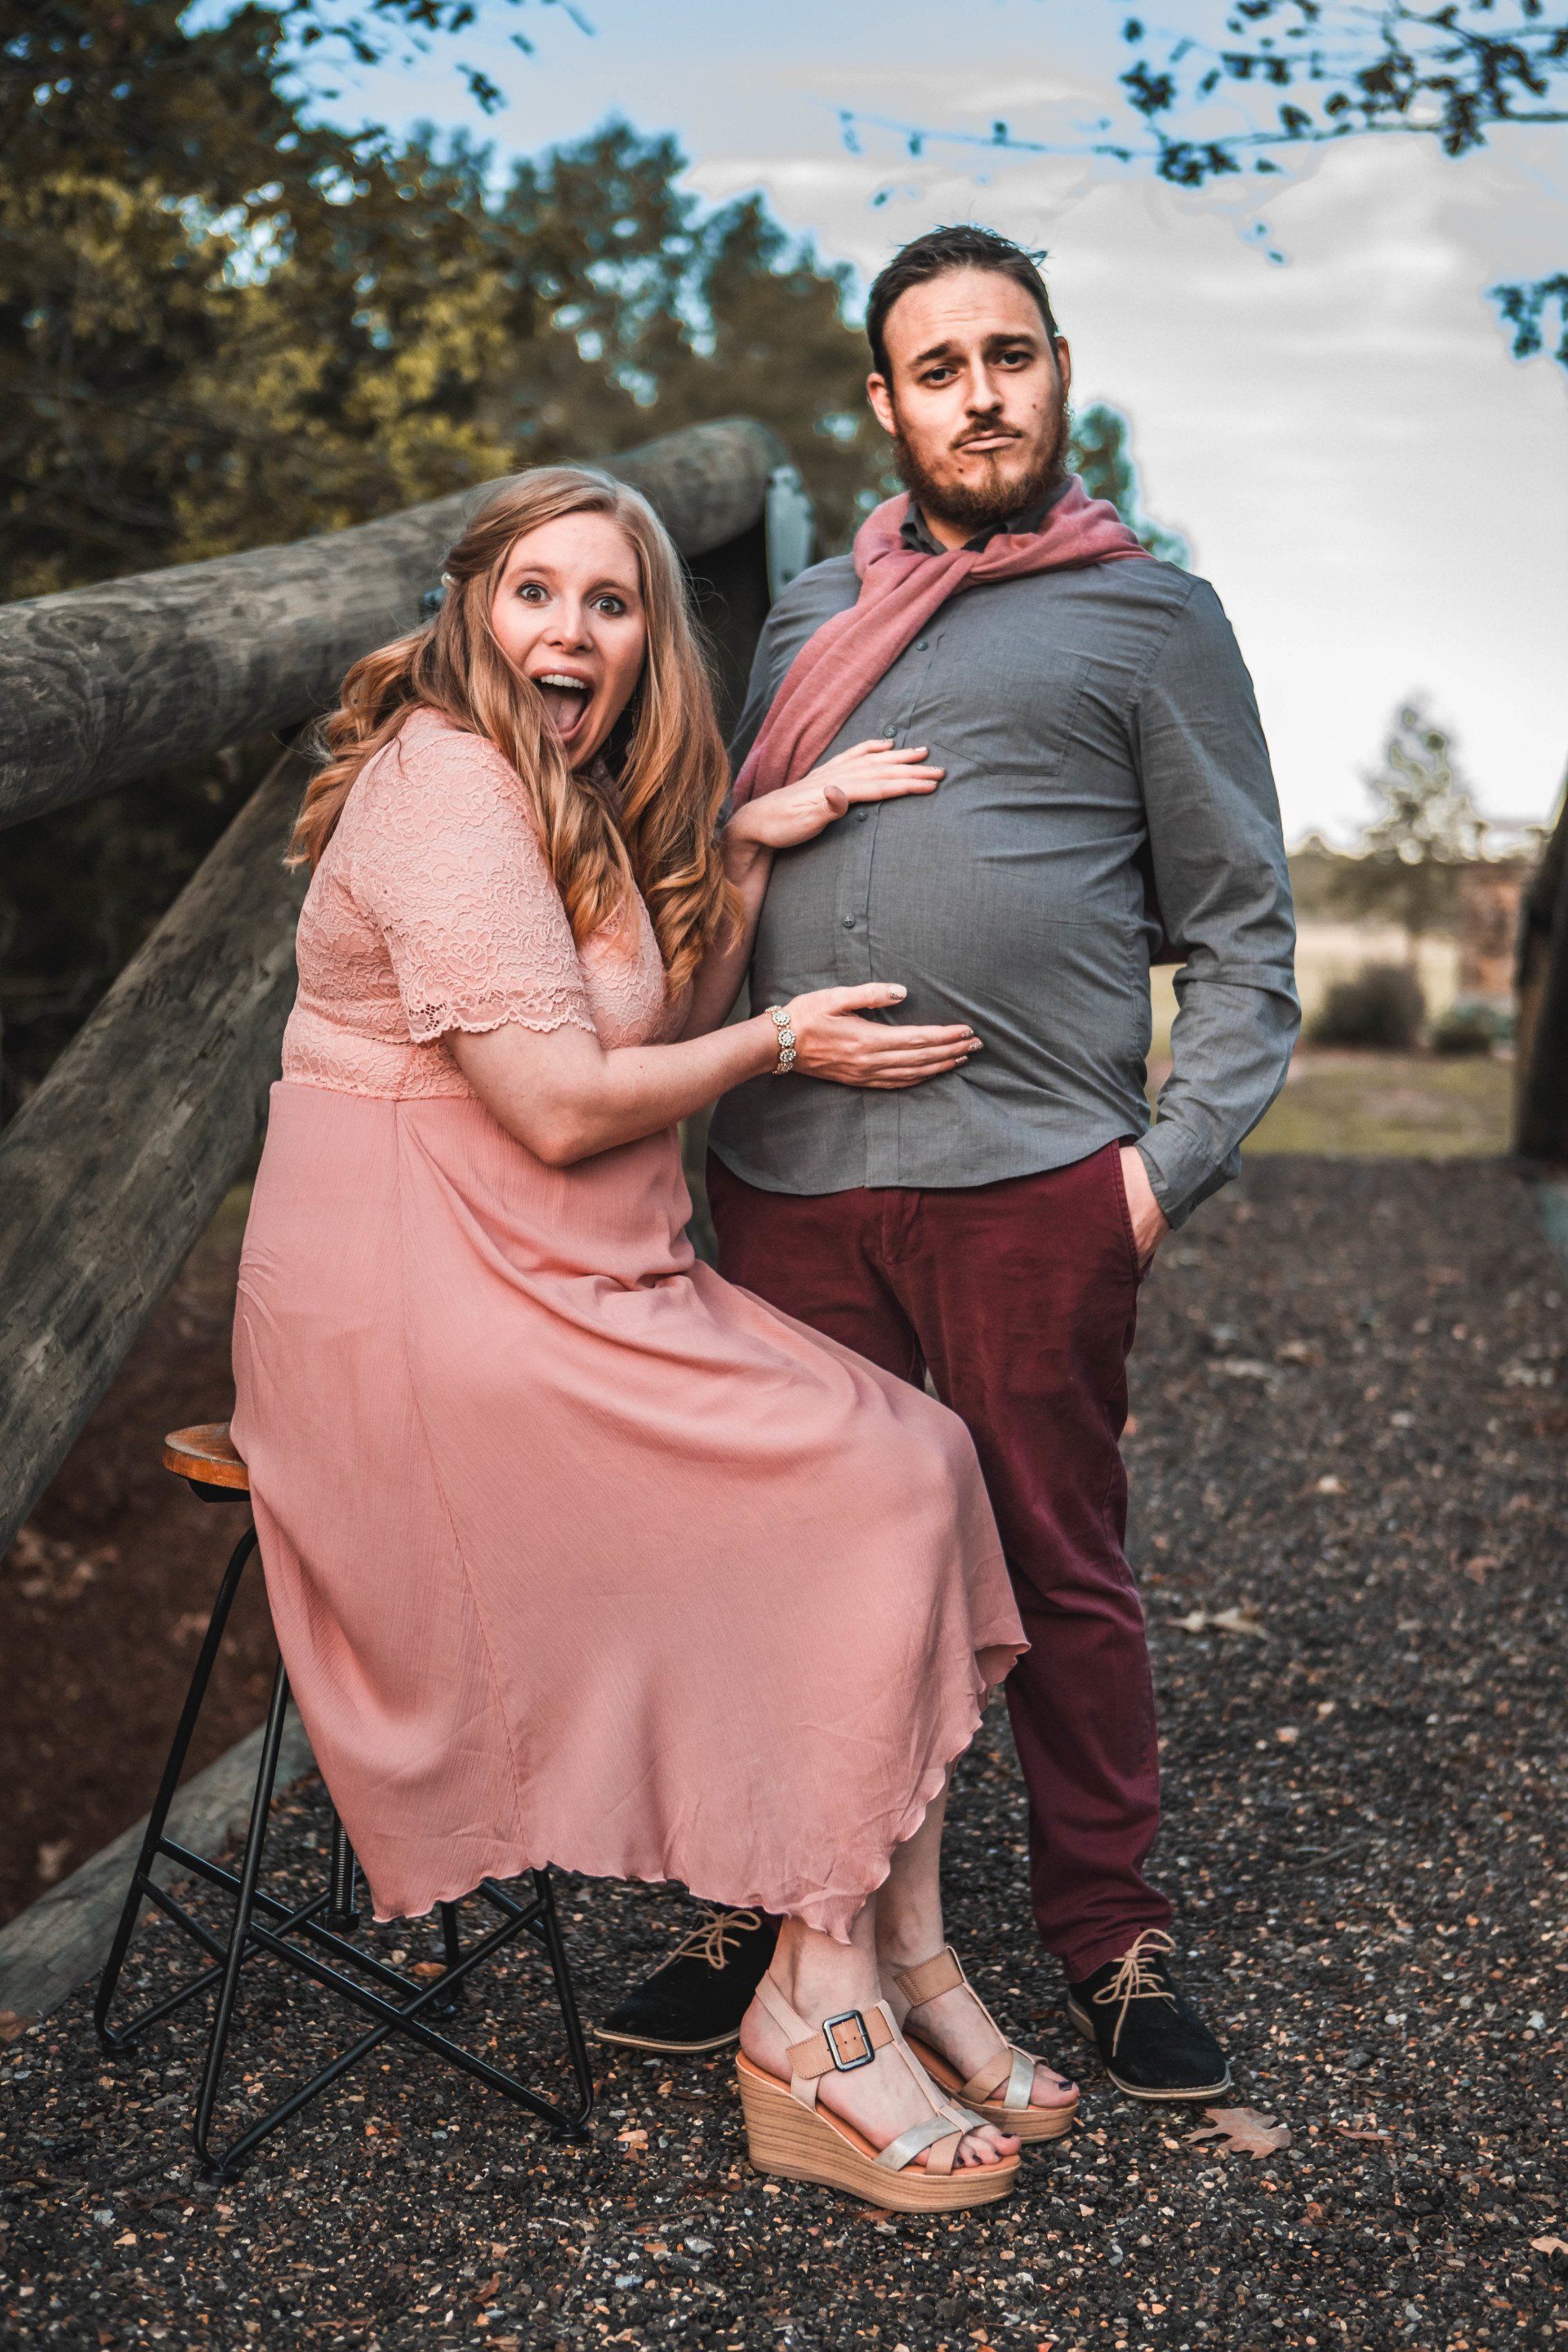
(849, 922)
(920, 645)
(861, 814)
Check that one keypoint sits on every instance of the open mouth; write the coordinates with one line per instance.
(567, 699)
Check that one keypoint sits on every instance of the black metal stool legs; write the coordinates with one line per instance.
(152, 1842)
(343, 1910)
(312, 1934)
(240, 1933)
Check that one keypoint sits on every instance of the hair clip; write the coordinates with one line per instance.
(433, 599)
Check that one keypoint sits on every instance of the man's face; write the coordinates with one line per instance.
(973, 398)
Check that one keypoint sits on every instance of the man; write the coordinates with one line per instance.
(1105, 777)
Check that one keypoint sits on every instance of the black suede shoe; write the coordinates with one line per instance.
(695, 2003)
(1152, 2042)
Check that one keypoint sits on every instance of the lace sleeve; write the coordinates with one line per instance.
(447, 864)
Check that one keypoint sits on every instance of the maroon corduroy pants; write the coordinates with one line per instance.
(1021, 1299)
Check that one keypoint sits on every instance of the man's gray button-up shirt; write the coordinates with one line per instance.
(1100, 735)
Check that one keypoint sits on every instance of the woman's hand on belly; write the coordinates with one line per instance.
(835, 1040)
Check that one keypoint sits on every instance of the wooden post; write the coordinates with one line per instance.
(110, 1171)
(1542, 1111)
(99, 685)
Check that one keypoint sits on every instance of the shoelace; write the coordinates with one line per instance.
(706, 1942)
(1136, 1979)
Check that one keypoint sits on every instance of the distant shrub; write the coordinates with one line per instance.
(1471, 1028)
(1382, 1006)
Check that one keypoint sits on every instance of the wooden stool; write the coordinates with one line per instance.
(297, 1937)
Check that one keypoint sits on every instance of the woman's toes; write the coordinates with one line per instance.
(987, 2146)
(1052, 2090)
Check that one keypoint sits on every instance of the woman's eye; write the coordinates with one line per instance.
(530, 592)
(613, 606)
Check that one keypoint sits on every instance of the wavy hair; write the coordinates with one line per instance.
(660, 834)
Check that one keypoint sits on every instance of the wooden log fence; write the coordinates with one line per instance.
(113, 1168)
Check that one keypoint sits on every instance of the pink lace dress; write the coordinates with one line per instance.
(577, 1553)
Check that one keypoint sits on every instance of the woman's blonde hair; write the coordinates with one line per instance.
(661, 837)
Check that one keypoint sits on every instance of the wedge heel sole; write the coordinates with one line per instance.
(796, 2143)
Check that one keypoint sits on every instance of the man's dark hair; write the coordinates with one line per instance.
(934, 255)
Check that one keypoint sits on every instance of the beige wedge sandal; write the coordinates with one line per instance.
(788, 2133)
(1000, 2089)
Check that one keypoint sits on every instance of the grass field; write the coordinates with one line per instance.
(1375, 1105)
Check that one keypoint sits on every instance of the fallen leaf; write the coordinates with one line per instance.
(1550, 2246)
(634, 2142)
(1195, 1622)
(1239, 1620)
(1244, 1367)
(1345, 2132)
(1241, 2131)
(52, 1858)
(12, 2025)
(429, 1969)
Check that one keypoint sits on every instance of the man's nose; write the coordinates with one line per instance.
(984, 394)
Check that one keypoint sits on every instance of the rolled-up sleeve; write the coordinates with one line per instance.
(1223, 890)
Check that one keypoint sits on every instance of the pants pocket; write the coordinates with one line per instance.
(1123, 1210)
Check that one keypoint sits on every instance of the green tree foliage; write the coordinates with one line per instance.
(222, 324)
(1102, 454)
(1424, 827)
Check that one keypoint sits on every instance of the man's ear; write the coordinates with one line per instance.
(1064, 364)
(881, 401)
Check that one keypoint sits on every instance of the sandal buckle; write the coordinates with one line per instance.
(859, 2050)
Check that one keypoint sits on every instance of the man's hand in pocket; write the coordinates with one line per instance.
(1150, 1223)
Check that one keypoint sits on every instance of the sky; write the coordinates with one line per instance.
(1376, 489)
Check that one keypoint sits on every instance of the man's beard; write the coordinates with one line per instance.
(974, 507)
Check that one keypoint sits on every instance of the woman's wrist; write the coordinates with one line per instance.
(741, 854)
(766, 1042)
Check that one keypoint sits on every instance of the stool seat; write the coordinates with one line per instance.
(206, 1453)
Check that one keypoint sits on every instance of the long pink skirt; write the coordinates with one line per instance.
(578, 1554)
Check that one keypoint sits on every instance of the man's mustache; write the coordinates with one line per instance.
(987, 433)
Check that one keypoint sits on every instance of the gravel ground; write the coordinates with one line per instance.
(1351, 1407)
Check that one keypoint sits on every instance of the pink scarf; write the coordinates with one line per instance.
(900, 588)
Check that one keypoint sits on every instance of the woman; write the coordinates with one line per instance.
(577, 1554)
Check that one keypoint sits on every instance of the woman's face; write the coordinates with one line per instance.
(568, 614)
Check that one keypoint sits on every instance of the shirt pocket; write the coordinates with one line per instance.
(1012, 709)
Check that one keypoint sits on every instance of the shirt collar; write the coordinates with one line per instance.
(914, 533)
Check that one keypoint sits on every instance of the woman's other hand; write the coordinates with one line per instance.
(872, 771)
(833, 1038)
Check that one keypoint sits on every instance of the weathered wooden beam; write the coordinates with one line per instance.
(110, 1171)
(62, 1940)
(101, 685)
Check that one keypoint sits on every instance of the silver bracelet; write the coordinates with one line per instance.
(779, 1016)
